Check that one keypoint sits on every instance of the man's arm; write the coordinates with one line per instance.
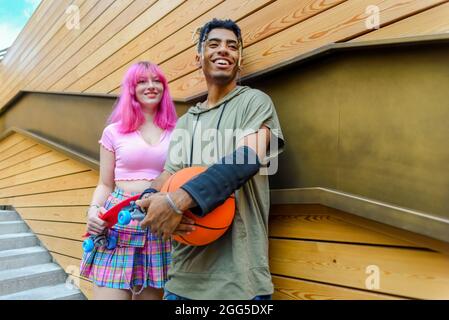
(163, 220)
(258, 141)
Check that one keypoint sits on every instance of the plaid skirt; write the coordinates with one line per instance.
(140, 258)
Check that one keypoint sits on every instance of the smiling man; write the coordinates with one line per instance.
(240, 125)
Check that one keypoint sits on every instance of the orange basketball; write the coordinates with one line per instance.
(210, 227)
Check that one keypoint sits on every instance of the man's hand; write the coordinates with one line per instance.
(161, 218)
(185, 227)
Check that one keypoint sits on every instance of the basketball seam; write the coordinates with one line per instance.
(211, 228)
(187, 241)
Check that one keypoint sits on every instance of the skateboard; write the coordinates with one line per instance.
(121, 213)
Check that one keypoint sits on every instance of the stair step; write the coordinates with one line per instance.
(13, 227)
(16, 280)
(8, 215)
(17, 240)
(57, 292)
(23, 257)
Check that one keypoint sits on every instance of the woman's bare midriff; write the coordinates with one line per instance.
(133, 186)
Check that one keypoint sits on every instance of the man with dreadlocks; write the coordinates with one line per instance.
(241, 125)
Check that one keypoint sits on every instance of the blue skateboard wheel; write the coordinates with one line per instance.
(88, 245)
(124, 217)
(112, 243)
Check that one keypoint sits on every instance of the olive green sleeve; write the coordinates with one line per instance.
(177, 150)
(261, 111)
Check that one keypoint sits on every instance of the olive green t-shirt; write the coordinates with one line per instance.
(236, 265)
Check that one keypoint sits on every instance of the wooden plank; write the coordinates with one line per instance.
(86, 288)
(321, 224)
(108, 17)
(43, 160)
(415, 239)
(31, 153)
(296, 289)
(10, 141)
(25, 34)
(67, 182)
(179, 17)
(16, 149)
(407, 237)
(182, 39)
(260, 25)
(72, 268)
(432, 21)
(73, 231)
(34, 51)
(71, 248)
(56, 246)
(404, 272)
(132, 30)
(48, 53)
(39, 34)
(72, 49)
(65, 167)
(68, 254)
(389, 8)
(36, 31)
(51, 25)
(61, 198)
(69, 264)
(340, 23)
(61, 214)
(147, 19)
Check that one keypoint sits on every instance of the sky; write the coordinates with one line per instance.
(14, 15)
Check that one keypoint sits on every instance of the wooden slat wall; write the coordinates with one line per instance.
(432, 21)
(322, 253)
(51, 192)
(315, 252)
(48, 56)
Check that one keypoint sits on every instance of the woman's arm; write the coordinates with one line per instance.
(105, 186)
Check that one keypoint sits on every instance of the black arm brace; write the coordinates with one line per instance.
(148, 191)
(211, 188)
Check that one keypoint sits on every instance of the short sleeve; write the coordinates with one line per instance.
(260, 111)
(107, 138)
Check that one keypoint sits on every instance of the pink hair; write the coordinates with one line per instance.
(128, 112)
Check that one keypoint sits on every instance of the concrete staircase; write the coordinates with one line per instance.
(27, 270)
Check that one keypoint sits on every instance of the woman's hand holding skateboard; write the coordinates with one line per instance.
(95, 225)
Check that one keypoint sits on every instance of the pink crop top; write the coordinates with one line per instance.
(135, 159)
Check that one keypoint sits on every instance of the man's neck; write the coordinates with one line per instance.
(216, 92)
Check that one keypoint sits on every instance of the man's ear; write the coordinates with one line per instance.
(198, 60)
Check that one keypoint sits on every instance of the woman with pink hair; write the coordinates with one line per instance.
(134, 146)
